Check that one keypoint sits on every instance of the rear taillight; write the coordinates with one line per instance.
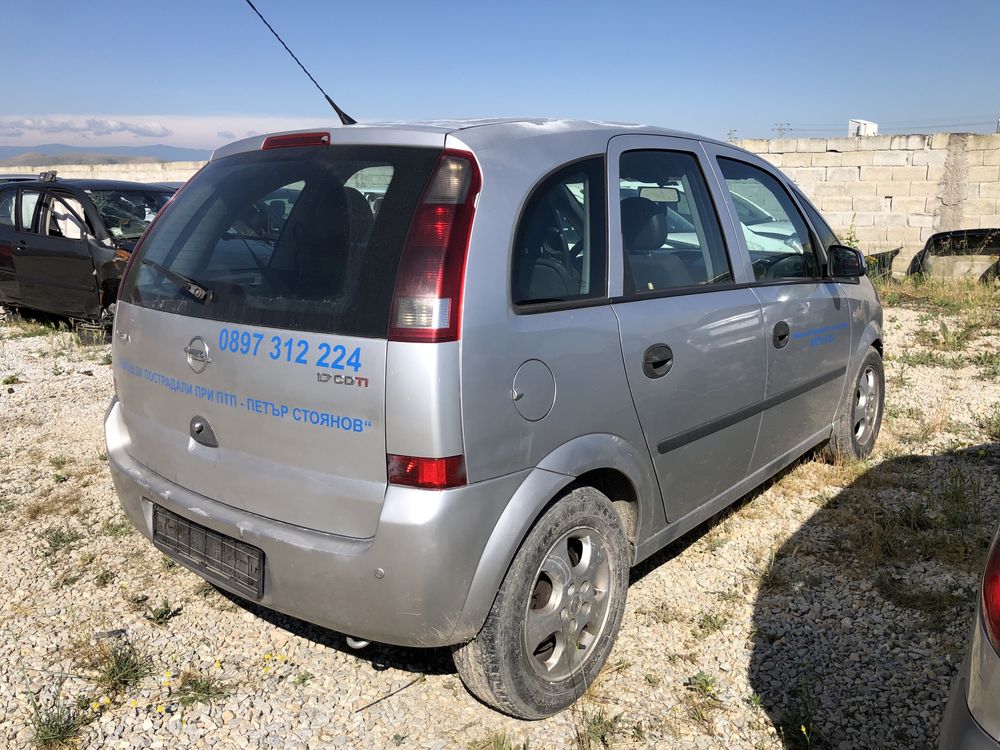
(295, 140)
(426, 473)
(991, 595)
(427, 299)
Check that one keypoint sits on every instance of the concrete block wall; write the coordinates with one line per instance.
(895, 190)
(171, 171)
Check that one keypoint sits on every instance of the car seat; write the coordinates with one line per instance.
(644, 232)
(545, 270)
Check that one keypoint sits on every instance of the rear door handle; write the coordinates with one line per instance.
(781, 336)
(657, 361)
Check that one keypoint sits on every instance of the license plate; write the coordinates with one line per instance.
(217, 556)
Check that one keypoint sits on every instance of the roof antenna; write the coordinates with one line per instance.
(345, 118)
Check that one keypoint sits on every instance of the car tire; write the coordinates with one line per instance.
(859, 417)
(557, 613)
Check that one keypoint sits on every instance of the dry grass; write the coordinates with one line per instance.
(117, 665)
(943, 295)
(701, 701)
(62, 500)
(199, 687)
(989, 422)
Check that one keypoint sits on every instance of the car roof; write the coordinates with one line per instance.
(479, 133)
(95, 184)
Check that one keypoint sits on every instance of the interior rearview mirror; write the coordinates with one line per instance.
(660, 194)
(846, 262)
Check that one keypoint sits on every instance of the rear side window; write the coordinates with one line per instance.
(299, 238)
(670, 232)
(7, 207)
(63, 216)
(560, 248)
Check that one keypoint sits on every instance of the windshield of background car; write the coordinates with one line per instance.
(298, 238)
(127, 213)
(750, 213)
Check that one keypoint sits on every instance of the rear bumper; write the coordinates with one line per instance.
(407, 585)
(959, 730)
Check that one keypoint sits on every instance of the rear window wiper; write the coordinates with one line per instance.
(190, 286)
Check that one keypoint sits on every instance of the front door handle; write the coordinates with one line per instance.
(781, 336)
(657, 361)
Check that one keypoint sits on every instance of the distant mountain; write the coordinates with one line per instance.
(15, 155)
(37, 159)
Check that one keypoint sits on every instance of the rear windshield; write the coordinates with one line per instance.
(299, 238)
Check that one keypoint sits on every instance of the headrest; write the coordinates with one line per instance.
(360, 214)
(644, 225)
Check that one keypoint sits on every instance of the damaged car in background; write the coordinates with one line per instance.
(962, 253)
(64, 243)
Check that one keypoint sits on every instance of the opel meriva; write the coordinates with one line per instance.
(442, 385)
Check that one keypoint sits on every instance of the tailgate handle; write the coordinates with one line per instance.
(202, 432)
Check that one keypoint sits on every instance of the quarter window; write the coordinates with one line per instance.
(670, 231)
(776, 234)
(560, 250)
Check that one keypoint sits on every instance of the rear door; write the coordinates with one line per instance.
(807, 318)
(54, 263)
(691, 333)
(250, 335)
(29, 201)
(9, 288)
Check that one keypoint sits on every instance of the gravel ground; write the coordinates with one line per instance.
(828, 610)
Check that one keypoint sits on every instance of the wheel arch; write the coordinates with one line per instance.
(606, 462)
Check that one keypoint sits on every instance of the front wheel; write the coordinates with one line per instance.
(557, 613)
(859, 417)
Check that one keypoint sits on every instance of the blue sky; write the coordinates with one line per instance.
(191, 73)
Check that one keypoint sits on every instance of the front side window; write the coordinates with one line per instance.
(560, 249)
(777, 236)
(827, 236)
(29, 201)
(670, 231)
(63, 217)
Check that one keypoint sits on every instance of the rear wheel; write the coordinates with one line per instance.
(860, 415)
(557, 613)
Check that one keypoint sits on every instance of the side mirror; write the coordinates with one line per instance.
(845, 262)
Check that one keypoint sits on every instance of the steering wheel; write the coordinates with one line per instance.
(760, 267)
(791, 266)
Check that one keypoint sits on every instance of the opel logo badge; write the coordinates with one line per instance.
(197, 354)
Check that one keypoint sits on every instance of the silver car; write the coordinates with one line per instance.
(972, 718)
(461, 419)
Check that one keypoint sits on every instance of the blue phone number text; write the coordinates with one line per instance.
(293, 350)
